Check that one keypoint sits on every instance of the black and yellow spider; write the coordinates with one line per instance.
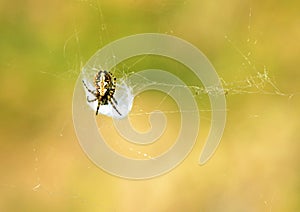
(105, 86)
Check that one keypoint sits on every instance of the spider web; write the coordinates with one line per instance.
(254, 80)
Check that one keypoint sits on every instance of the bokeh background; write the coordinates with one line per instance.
(44, 45)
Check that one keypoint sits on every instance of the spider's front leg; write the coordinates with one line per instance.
(87, 98)
(89, 90)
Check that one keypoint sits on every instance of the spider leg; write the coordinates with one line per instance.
(114, 107)
(87, 98)
(89, 90)
(99, 102)
(115, 100)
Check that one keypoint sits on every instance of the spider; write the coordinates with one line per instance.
(105, 84)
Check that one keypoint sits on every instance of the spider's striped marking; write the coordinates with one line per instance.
(105, 84)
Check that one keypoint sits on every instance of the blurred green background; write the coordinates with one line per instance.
(43, 46)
